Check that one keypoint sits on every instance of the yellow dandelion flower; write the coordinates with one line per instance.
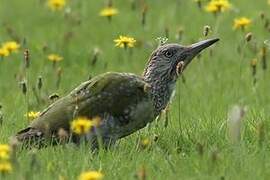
(91, 175)
(145, 143)
(268, 2)
(56, 4)
(11, 46)
(55, 57)
(32, 114)
(5, 167)
(108, 12)
(242, 23)
(125, 41)
(222, 5)
(4, 151)
(211, 8)
(215, 6)
(83, 125)
(4, 52)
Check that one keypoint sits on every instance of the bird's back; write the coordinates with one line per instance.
(122, 100)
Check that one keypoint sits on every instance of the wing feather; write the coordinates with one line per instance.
(118, 95)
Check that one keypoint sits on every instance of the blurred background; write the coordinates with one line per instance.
(57, 44)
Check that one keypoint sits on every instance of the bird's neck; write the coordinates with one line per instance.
(162, 88)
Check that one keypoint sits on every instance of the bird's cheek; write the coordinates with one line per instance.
(180, 68)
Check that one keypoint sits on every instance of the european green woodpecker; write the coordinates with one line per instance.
(124, 102)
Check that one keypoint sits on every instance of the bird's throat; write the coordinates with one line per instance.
(161, 91)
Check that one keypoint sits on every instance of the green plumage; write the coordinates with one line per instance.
(124, 102)
(120, 99)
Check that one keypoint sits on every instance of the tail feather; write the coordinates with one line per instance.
(30, 136)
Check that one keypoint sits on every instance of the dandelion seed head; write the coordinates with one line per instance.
(235, 117)
(162, 40)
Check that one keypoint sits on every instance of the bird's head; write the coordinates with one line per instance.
(169, 60)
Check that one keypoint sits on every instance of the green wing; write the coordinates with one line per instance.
(121, 97)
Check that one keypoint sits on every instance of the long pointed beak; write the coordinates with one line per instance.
(196, 48)
(193, 50)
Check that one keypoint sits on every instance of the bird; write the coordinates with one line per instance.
(124, 102)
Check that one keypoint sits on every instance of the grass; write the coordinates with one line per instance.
(195, 144)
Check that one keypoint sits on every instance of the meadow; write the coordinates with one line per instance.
(192, 139)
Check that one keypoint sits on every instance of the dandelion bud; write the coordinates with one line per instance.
(253, 62)
(206, 30)
(262, 15)
(54, 96)
(166, 32)
(1, 115)
(24, 87)
(133, 4)
(248, 36)
(266, 23)
(26, 58)
(39, 83)
(144, 12)
(254, 69)
(199, 3)
(264, 64)
(110, 3)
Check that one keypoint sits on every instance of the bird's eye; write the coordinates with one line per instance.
(168, 54)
